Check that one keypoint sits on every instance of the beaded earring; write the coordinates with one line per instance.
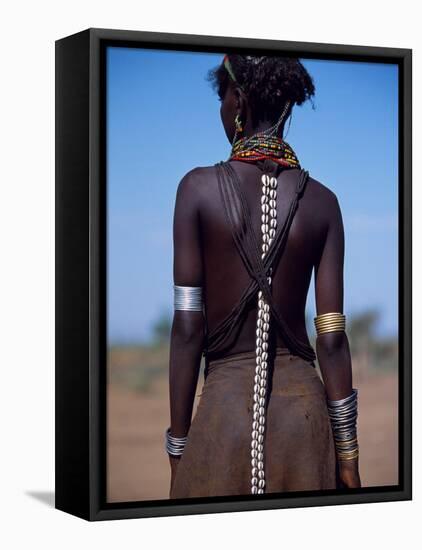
(239, 128)
(238, 123)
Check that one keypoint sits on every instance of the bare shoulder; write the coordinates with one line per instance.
(198, 176)
(320, 191)
(195, 182)
(322, 199)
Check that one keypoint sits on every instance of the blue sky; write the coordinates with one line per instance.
(163, 120)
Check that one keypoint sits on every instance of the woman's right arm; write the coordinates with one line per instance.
(333, 347)
(187, 334)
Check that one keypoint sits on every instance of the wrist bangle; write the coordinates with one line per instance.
(343, 416)
(174, 445)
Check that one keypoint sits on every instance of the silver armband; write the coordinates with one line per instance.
(188, 298)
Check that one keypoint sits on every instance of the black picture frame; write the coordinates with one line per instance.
(81, 274)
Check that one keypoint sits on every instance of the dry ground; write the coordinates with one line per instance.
(138, 465)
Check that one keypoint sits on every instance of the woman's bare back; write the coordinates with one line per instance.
(223, 272)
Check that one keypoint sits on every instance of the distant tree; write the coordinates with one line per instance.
(161, 329)
(361, 331)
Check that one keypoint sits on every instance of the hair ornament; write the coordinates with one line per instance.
(255, 60)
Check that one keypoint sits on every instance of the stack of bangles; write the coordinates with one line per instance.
(343, 415)
(342, 412)
(175, 445)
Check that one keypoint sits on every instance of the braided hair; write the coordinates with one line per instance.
(268, 82)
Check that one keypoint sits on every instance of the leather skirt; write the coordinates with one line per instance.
(299, 453)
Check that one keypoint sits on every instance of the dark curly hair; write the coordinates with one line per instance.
(268, 83)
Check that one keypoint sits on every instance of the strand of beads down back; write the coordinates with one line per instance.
(268, 229)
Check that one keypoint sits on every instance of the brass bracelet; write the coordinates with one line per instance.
(347, 451)
(348, 456)
(346, 443)
(330, 322)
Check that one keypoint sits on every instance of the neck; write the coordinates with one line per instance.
(260, 127)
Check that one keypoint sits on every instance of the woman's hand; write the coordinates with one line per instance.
(174, 461)
(349, 473)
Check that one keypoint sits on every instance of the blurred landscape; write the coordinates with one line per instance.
(138, 410)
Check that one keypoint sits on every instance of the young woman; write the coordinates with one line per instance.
(248, 233)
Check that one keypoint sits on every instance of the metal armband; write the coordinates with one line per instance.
(188, 298)
(330, 322)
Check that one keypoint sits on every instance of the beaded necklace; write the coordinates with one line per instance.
(265, 144)
(258, 147)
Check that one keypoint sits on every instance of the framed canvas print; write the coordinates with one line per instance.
(233, 274)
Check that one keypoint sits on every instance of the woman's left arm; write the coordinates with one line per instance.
(333, 347)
